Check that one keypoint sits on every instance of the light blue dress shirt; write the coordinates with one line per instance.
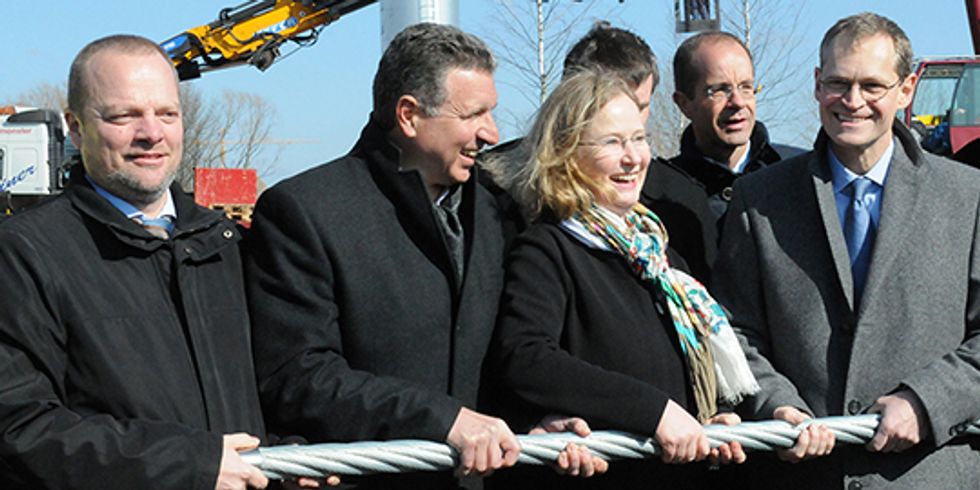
(132, 211)
(842, 176)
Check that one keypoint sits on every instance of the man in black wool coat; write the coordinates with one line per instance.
(373, 280)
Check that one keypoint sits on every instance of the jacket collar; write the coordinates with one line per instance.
(407, 191)
(191, 218)
(761, 149)
(907, 169)
(713, 176)
(373, 145)
(906, 141)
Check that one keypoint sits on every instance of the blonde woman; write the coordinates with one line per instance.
(595, 319)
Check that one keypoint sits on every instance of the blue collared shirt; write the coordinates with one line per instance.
(132, 211)
(842, 176)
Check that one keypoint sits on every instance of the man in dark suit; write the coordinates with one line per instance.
(856, 286)
(714, 82)
(373, 280)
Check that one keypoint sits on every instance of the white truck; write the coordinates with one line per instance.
(34, 156)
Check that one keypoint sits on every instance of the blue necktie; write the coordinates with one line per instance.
(160, 227)
(859, 232)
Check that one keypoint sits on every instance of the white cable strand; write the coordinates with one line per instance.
(370, 457)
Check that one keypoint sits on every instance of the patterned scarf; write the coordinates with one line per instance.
(717, 364)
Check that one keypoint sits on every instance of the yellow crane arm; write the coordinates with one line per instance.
(252, 32)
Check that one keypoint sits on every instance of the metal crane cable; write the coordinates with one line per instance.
(371, 457)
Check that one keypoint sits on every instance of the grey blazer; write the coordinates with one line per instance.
(784, 274)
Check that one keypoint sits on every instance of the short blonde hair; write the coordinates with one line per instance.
(549, 177)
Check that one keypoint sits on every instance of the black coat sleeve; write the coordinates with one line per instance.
(529, 357)
(306, 385)
(738, 285)
(46, 442)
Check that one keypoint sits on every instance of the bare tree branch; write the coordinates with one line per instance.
(240, 132)
(43, 96)
(514, 37)
(198, 128)
(775, 33)
(666, 123)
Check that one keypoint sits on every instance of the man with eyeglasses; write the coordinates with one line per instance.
(856, 285)
(715, 88)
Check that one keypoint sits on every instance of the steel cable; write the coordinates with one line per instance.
(370, 457)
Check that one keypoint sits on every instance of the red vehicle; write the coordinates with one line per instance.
(945, 109)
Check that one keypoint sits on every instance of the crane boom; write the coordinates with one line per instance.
(252, 32)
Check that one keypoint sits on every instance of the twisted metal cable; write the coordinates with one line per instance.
(371, 457)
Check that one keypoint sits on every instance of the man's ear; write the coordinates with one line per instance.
(407, 113)
(816, 83)
(74, 129)
(683, 103)
(906, 89)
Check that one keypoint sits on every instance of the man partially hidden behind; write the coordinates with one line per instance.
(853, 276)
(124, 344)
(714, 81)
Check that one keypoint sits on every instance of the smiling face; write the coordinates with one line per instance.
(861, 130)
(617, 171)
(129, 131)
(722, 125)
(443, 147)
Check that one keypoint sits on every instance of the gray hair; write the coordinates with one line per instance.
(123, 43)
(416, 63)
(867, 24)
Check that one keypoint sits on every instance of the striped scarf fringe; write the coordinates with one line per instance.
(717, 366)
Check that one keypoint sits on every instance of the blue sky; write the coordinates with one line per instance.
(322, 93)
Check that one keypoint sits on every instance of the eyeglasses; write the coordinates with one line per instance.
(615, 146)
(870, 91)
(724, 91)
